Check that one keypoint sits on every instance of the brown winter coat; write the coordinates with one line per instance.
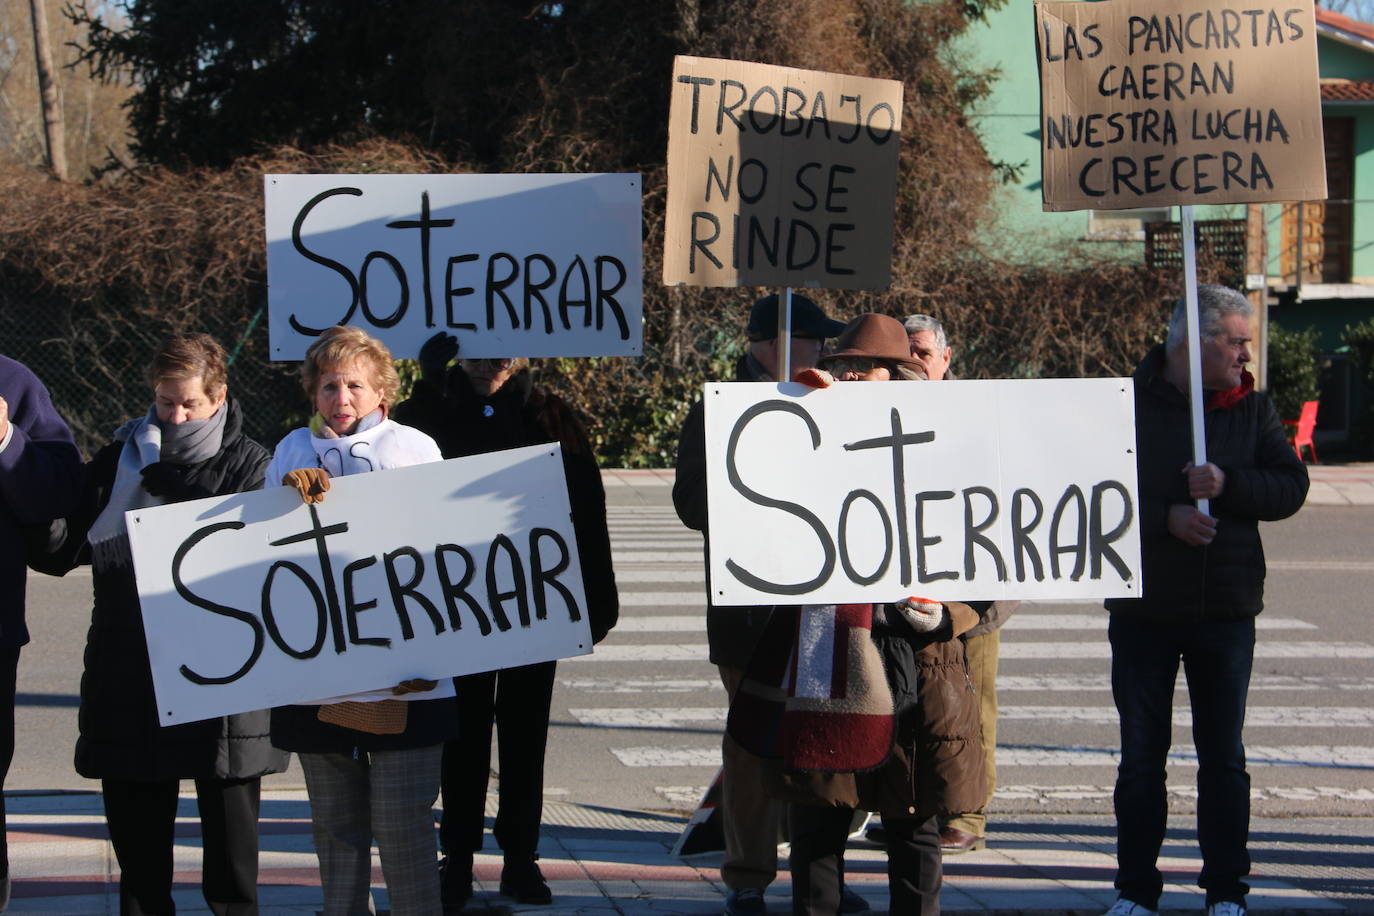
(936, 766)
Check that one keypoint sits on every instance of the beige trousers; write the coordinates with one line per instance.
(982, 664)
(749, 817)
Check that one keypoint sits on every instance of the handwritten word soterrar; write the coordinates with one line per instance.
(338, 598)
(1061, 536)
(519, 290)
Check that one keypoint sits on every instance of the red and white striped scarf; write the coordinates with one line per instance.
(815, 695)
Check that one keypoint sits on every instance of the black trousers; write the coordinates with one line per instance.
(9, 669)
(142, 821)
(517, 700)
(819, 834)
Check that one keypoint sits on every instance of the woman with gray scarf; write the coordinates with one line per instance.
(189, 445)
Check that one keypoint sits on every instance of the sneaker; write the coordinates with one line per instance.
(1226, 908)
(522, 879)
(747, 901)
(1124, 907)
(851, 904)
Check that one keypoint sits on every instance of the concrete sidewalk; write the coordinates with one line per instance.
(1341, 484)
(601, 861)
(1332, 484)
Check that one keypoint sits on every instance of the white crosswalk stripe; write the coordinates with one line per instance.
(1050, 649)
(664, 599)
(1037, 621)
(656, 653)
(616, 652)
(626, 574)
(1255, 716)
(1038, 683)
(1182, 755)
(639, 685)
(667, 623)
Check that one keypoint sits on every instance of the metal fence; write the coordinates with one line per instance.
(93, 364)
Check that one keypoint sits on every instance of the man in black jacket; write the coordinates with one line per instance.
(1202, 586)
(749, 817)
(40, 479)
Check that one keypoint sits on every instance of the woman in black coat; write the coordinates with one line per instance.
(480, 406)
(189, 445)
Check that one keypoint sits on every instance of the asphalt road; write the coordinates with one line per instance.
(637, 724)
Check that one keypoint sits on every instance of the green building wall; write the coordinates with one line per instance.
(1009, 123)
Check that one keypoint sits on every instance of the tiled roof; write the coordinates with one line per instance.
(1345, 24)
(1339, 90)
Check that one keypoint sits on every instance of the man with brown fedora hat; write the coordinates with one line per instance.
(872, 348)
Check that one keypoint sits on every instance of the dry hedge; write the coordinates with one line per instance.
(91, 276)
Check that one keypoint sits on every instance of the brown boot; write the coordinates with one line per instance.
(954, 841)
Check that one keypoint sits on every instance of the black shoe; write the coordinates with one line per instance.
(522, 879)
(455, 882)
(851, 904)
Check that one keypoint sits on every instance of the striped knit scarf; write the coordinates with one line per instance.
(815, 695)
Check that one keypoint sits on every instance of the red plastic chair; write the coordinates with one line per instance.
(1302, 430)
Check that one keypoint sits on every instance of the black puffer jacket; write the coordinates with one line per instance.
(120, 737)
(731, 632)
(1265, 481)
(520, 413)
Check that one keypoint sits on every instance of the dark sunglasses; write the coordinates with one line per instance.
(860, 365)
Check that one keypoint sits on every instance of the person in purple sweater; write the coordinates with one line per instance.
(40, 480)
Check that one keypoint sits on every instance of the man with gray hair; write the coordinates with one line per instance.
(1202, 585)
(929, 345)
(964, 831)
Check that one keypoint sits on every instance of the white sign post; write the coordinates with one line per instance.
(961, 491)
(513, 265)
(258, 600)
(1148, 103)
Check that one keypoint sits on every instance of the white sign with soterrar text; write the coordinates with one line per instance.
(953, 490)
(513, 265)
(258, 600)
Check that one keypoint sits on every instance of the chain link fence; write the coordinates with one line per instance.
(93, 364)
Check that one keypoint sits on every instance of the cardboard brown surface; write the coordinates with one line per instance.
(780, 177)
(1148, 103)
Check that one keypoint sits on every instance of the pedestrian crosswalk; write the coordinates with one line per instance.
(652, 692)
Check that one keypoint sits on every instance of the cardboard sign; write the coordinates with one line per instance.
(965, 490)
(1149, 103)
(513, 265)
(780, 177)
(258, 600)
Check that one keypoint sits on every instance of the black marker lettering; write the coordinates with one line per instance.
(191, 597)
(758, 499)
(542, 578)
(400, 591)
(354, 607)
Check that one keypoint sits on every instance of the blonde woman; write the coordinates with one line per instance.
(371, 760)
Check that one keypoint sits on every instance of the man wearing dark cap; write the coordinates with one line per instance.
(810, 329)
(749, 817)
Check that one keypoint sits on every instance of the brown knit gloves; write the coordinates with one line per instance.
(312, 483)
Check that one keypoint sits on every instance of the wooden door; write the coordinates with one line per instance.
(1326, 229)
